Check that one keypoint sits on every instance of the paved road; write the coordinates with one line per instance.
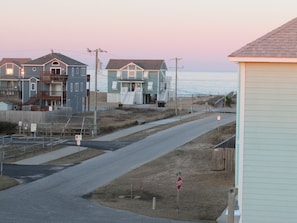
(58, 197)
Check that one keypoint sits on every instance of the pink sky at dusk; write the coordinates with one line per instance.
(201, 32)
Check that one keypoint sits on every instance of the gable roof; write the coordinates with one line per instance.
(279, 43)
(17, 61)
(115, 64)
(49, 57)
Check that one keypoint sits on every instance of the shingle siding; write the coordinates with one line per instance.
(270, 145)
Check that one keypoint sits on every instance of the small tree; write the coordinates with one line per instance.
(228, 101)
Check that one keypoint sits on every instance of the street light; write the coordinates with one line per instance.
(96, 72)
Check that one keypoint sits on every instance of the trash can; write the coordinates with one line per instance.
(161, 104)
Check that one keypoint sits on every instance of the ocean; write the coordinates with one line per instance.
(188, 83)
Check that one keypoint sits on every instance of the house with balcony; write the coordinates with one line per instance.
(11, 73)
(137, 81)
(54, 81)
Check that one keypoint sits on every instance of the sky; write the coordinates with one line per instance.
(202, 33)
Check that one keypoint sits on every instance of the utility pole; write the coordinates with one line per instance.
(95, 128)
(95, 110)
(176, 67)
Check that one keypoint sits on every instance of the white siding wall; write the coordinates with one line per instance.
(113, 98)
(269, 177)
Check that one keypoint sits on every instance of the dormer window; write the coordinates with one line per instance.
(9, 69)
(132, 70)
(55, 63)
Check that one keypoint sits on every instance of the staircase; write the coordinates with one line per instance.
(128, 97)
(33, 99)
(164, 96)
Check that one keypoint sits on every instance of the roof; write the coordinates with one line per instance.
(279, 43)
(115, 64)
(17, 61)
(47, 58)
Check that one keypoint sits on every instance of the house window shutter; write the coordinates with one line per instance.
(114, 85)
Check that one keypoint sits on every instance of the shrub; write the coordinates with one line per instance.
(7, 128)
(228, 101)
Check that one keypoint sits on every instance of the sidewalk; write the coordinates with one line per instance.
(44, 158)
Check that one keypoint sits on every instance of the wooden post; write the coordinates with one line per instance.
(177, 201)
(178, 187)
(154, 203)
(2, 160)
(231, 205)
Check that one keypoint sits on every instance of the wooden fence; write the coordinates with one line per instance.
(223, 159)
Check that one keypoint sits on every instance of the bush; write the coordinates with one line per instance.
(228, 101)
(7, 128)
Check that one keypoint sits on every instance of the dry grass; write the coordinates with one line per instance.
(204, 192)
(7, 182)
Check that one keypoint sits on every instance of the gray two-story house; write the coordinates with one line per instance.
(137, 81)
(11, 74)
(55, 81)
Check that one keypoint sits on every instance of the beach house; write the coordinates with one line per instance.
(137, 81)
(11, 73)
(54, 81)
(266, 148)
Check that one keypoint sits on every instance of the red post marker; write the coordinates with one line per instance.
(179, 183)
(178, 187)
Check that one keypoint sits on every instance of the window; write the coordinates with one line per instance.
(150, 86)
(119, 74)
(145, 74)
(77, 70)
(55, 70)
(76, 87)
(9, 69)
(33, 69)
(81, 87)
(131, 73)
(132, 67)
(71, 87)
(55, 63)
(33, 87)
(22, 72)
(114, 85)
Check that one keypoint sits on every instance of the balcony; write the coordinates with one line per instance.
(9, 91)
(47, 95)
(47, 77)
(53, 95)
